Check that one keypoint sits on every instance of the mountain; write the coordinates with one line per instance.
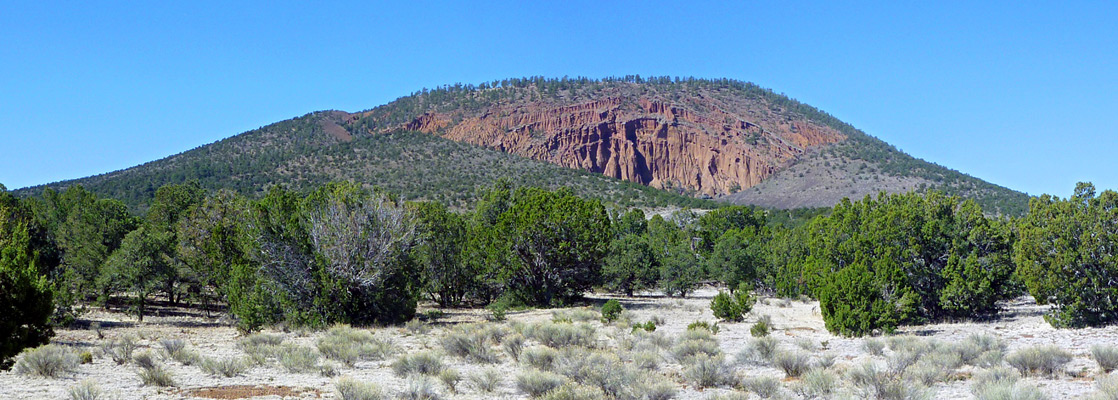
(614, 139)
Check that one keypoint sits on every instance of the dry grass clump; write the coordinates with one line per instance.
(541, 357)
(705, 371)
(486, 380)
(227, 367)
(420, 363)
(419, 388)
(298, 359)
(646, 360)
(471, 344)
(513, 345)
(48, 361)
(85, 390)
(144, 360)
(1107, 388)
(729, 396)
(176, 349)
(574, 391)
(417, 327)
(120, 350)
(450, 377)
(694, 342)
(351, 389)
(156, 376)
(1106, 356)
(1010, 391)
(874, 347)
(560, 335)
(259, 347)
(794, 363)
(817, 383)
(535, 383)
(875, 383)
(997, 376)
(1039, 360)
(759, 351)
(575, 315)
(348, 345)
(765, 387)
(806, 344)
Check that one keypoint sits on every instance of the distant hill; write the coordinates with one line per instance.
(727, 140)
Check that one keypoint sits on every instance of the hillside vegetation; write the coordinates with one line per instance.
(794, 160)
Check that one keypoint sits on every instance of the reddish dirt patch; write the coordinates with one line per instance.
(246, 392)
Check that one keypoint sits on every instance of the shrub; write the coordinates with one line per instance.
(513, 345)
(298, 359)
(793, 363)
(497, 312)
(417, 327)
(709, 327)
(1010, 391)
(85, 390)
(176, 350)
(120, 350)
(561, 335)
(227, 367)
(982, 380)
(691, 345)
(611, 310)
(1105, 356)
(759, 351)
(351, 389)
(542, 358)
(27, 297)
(646, 360)
(450, 377)
(144, 360)
(85, 357)
(817, 383)
(535, 383)
(574, 391)
(762, 327)
(469, 345)
(705, 371)
(1039, 360)
(878, 384)
(48, 361)
(806, 344)
(659, 390)
(1059, 261)
(419, 388)
(156, 376)
(487, 380)
(348, 345)
(577, 315)
(648, 326)
(423, 363)
(1107, 388)
(764, 387)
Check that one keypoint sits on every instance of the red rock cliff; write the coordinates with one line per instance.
(709, 145)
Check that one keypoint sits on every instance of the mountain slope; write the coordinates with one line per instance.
(724, 139)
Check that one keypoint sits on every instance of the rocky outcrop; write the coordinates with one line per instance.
(707, 145)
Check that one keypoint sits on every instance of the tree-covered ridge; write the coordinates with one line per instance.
(300, 155)
(465, 100)
(369, 147)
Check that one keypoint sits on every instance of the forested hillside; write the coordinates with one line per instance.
(693, 138)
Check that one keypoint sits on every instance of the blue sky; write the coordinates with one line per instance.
(1022, 94)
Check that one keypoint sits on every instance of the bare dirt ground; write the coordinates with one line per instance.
(795, 323)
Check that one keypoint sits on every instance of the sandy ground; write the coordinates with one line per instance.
(1021, 325)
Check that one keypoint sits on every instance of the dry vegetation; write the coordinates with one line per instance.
(571, 354)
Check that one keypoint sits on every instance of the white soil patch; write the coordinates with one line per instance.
(1020, 325)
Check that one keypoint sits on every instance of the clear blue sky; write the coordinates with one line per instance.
(1022, 94)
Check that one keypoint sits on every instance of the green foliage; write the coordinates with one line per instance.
(733, 307)
(762, 327)
(446, 276)
(611, 310)
(26, 296)
(737, 257)
(139, 266)
(680, 270)
(557, 241)
(879, 263)
(1063, 255)
(630, 265)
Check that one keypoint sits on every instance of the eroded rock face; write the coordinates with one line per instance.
(709, 146)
